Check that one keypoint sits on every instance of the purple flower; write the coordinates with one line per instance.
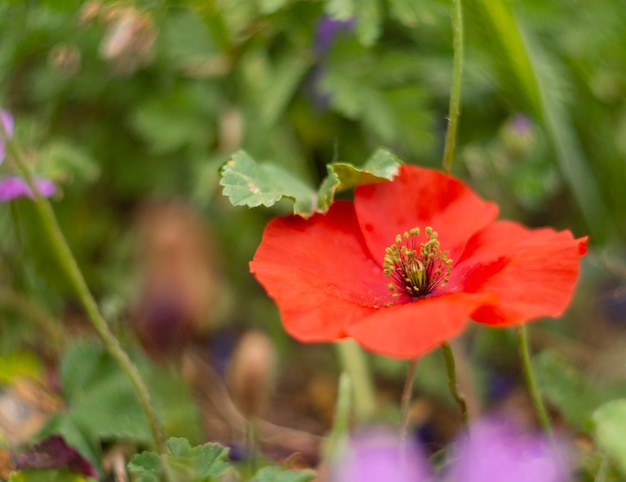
(327, 29)
(494, 451)
(13, 187)
(7, 122)
(378, 455)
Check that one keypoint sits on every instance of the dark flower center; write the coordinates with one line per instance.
(416, 269)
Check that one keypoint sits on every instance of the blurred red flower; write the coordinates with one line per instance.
(404, 267)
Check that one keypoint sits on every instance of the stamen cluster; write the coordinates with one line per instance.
(416, 270)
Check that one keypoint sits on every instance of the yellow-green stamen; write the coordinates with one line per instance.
(416, 270)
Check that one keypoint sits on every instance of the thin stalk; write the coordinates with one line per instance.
(531, 382)
(452, 384)
(455, 93)
(69, 265)
(354, 362)
(602, 470)
(339, 430)
(407, 393)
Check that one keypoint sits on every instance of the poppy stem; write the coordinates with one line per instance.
(354, 362)
(452, 384)
(455, 93)
(407, 393)
(69, 265)
(339, 430)
(531, 382)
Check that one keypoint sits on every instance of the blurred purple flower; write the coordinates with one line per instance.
(327, 29)
(494, 451)
(13, 187)
(379, 455)
(7, 122)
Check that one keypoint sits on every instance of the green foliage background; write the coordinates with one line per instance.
(542, 132)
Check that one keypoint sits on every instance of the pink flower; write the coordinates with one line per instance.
(13, 187)
(494, 451)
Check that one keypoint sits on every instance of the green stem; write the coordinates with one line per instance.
(602, 469)
(452, 384)
(407, 392)
(455, 93)
(341, 419)
(354, 362)
(533, 388)
(68, 263)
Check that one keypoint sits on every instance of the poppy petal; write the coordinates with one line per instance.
(533, 272)
(319, 272)
(420, 197)
(413, 329)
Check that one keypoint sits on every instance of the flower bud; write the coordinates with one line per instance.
(251, 372)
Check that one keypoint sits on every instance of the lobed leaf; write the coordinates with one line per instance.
(278, 474)
(248, 183)
(610, 427)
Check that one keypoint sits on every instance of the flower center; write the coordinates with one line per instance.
(416, 269)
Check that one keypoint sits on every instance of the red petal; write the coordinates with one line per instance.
(420, 197)
(414, 329)
(533, 272)
(319, 272)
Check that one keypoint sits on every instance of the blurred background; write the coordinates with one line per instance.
(132, 107)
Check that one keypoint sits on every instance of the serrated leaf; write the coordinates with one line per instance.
(145, 467)
(277, 474)
(248, 183)
(381, 166)
(610, 427)
(201, 463)
(206, 461)
(567, 389)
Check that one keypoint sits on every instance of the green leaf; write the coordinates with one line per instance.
(277, 474)
(340, 9)
(381, 166)
(94, 384)
(85, 363)
(145, 467)
(200, 463)
(282, 84)
(610, 427)
(368, 25)
(63, 160)
(525, 74)
(568, 389)
(47, 475)
(248, 183)
(271, 6)
(206, 461)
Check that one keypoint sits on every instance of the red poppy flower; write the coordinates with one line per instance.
(404, 267)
